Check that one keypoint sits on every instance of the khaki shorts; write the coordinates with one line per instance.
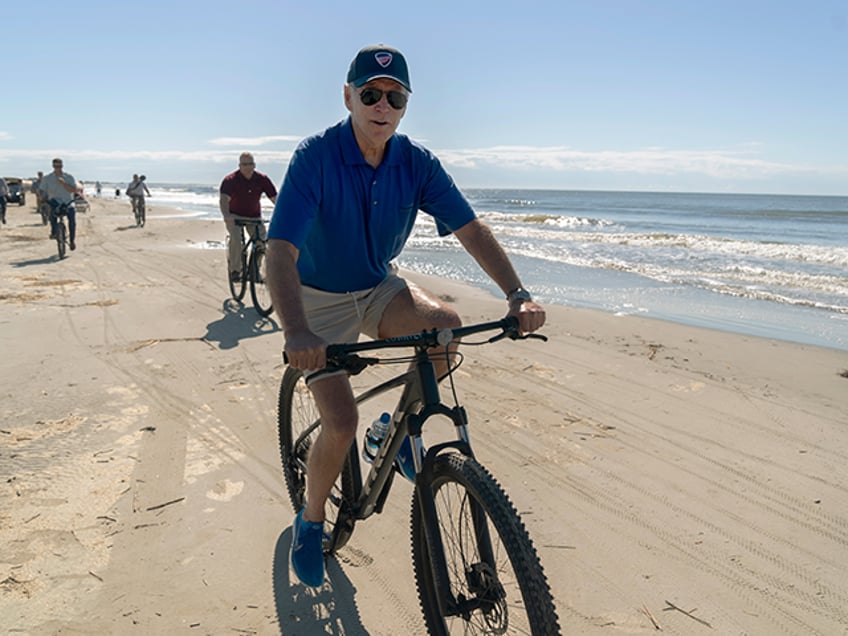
(341, 317)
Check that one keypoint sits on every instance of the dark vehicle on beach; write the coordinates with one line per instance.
(16, 191)
(80, 203)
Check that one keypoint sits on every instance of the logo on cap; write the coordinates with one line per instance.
(383, 58)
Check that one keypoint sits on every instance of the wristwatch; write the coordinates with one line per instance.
(518, 294)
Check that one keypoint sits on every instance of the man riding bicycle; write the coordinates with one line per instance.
(136, 191)
(239, 200)
(59, 188)
(347, 205)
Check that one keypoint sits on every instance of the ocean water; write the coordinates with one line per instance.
(773, 266)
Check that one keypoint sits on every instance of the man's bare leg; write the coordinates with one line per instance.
(414, 310)
(339, 418)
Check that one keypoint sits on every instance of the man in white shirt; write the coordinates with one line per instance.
(58, 188)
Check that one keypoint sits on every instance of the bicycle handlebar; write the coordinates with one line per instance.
(344, 355)
(59, 208)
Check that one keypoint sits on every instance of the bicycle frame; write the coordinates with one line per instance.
(251, 229)
(420, 400)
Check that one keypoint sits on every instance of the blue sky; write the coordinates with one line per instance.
(708, 96)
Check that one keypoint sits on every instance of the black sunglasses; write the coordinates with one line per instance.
(371, 96)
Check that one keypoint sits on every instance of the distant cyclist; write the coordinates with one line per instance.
(59, 187)
(136, 190)
(240, 194)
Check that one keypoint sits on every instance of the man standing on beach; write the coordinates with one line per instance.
(239, 199)
(59, 187)
(346, 208)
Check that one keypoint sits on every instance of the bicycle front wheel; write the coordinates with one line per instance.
(298, 425)
(60, 238)
(258, 289)
(239, 285)
(496, 582)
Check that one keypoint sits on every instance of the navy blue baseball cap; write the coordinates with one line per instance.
(373, 62)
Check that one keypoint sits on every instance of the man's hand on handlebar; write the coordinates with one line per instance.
(531, 315)
(305, 350)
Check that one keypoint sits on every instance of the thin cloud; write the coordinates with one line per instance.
(647, 161)
(252, 141)
(188, 156)
(4, 136)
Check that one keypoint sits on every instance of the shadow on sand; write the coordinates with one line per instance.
(304, 610)
(238, 323)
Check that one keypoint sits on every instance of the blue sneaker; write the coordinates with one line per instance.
(404, 462)
(307, 551)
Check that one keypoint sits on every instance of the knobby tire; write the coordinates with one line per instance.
(258, 288)
(513, 597)
(296, 412)
(60, 237)
(239, 286)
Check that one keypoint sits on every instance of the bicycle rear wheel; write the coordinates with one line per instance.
(140, 215)
(495, 576)
(298, 425)
(60, 237)
(258, 289)
(239, 285)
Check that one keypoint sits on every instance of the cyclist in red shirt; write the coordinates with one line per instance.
(240, 194)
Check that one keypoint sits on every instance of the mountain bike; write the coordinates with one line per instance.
(59, 212)
(252, 268)
(476, 569)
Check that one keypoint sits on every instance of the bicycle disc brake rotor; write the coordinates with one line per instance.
(490, 596)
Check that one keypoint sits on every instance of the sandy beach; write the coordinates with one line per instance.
(674, 480)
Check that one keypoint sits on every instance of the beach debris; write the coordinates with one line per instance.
(167, 503)
(152, 342)
(650, 616)
(690, 613)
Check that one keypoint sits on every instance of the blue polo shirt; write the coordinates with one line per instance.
(349, 220)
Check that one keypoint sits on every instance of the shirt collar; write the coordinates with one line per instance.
(351, 153)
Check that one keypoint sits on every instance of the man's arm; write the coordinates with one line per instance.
(70, 187)
(224, 205)
(481, 244)
(305, 350)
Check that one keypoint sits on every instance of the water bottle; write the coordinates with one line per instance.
(374, 437)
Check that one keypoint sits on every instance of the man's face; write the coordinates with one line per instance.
(374, 124)
(247, 166)
(57, 167)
